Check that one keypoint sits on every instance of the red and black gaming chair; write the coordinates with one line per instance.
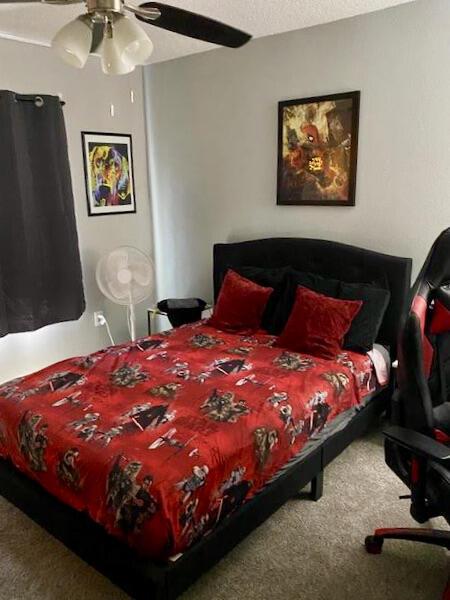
(417, 445)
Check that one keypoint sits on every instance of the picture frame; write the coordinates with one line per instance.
(318, 150)
(109, 173)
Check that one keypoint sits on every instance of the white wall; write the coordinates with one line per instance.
(213, 139)
(88, 95)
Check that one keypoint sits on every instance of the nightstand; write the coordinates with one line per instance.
(154, 312)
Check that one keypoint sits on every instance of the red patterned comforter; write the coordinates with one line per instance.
(160, 439)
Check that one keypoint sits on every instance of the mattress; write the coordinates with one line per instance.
(160, 439)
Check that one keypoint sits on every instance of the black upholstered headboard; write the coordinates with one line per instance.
(329, 259)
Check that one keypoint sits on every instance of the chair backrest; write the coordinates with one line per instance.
(424, 348)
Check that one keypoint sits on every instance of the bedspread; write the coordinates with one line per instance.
(160, 439)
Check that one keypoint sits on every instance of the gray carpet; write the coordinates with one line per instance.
(306, 551)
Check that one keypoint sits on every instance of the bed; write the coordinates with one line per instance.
(212, 430)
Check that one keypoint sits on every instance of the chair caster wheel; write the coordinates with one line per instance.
(373, 544)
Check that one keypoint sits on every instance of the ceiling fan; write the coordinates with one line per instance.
(122, 43)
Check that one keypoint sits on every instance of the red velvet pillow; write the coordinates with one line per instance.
(440, 322)
(240, 304)
(317, 324)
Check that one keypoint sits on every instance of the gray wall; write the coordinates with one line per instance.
(213, 139)
(88, 94)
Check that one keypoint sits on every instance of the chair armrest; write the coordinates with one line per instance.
(419, 444)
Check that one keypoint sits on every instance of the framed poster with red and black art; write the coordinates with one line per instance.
(317, 150)
(108, 167)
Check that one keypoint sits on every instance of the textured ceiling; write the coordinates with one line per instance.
(38, 23)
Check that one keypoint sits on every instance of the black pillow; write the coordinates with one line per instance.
(270, 277)
(366, 325)
(317, 283)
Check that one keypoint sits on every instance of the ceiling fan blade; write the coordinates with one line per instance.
(193, 25)
(97, 36)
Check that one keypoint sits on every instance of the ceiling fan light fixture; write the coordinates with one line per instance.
(132, 42)
(72, 43)
(122, 44)
(113, 63)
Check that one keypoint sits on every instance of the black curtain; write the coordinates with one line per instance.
(40, 269)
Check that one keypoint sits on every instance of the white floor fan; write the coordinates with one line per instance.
(125, 276)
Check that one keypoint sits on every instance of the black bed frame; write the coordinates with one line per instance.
(142, 578)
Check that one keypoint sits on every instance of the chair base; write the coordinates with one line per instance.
(437, 537)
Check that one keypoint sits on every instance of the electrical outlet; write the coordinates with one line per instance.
(99, 318)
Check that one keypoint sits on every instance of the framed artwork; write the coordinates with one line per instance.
(109, 175)
(317, 150)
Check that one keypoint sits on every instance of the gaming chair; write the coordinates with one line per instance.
(417, 445)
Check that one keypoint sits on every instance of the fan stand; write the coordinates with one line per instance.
(132, 322)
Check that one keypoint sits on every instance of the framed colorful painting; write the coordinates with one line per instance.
(108, 169)
(317, 150)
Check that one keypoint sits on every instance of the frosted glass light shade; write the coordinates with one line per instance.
(132, 42)
(72, 43)
(112, 62)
